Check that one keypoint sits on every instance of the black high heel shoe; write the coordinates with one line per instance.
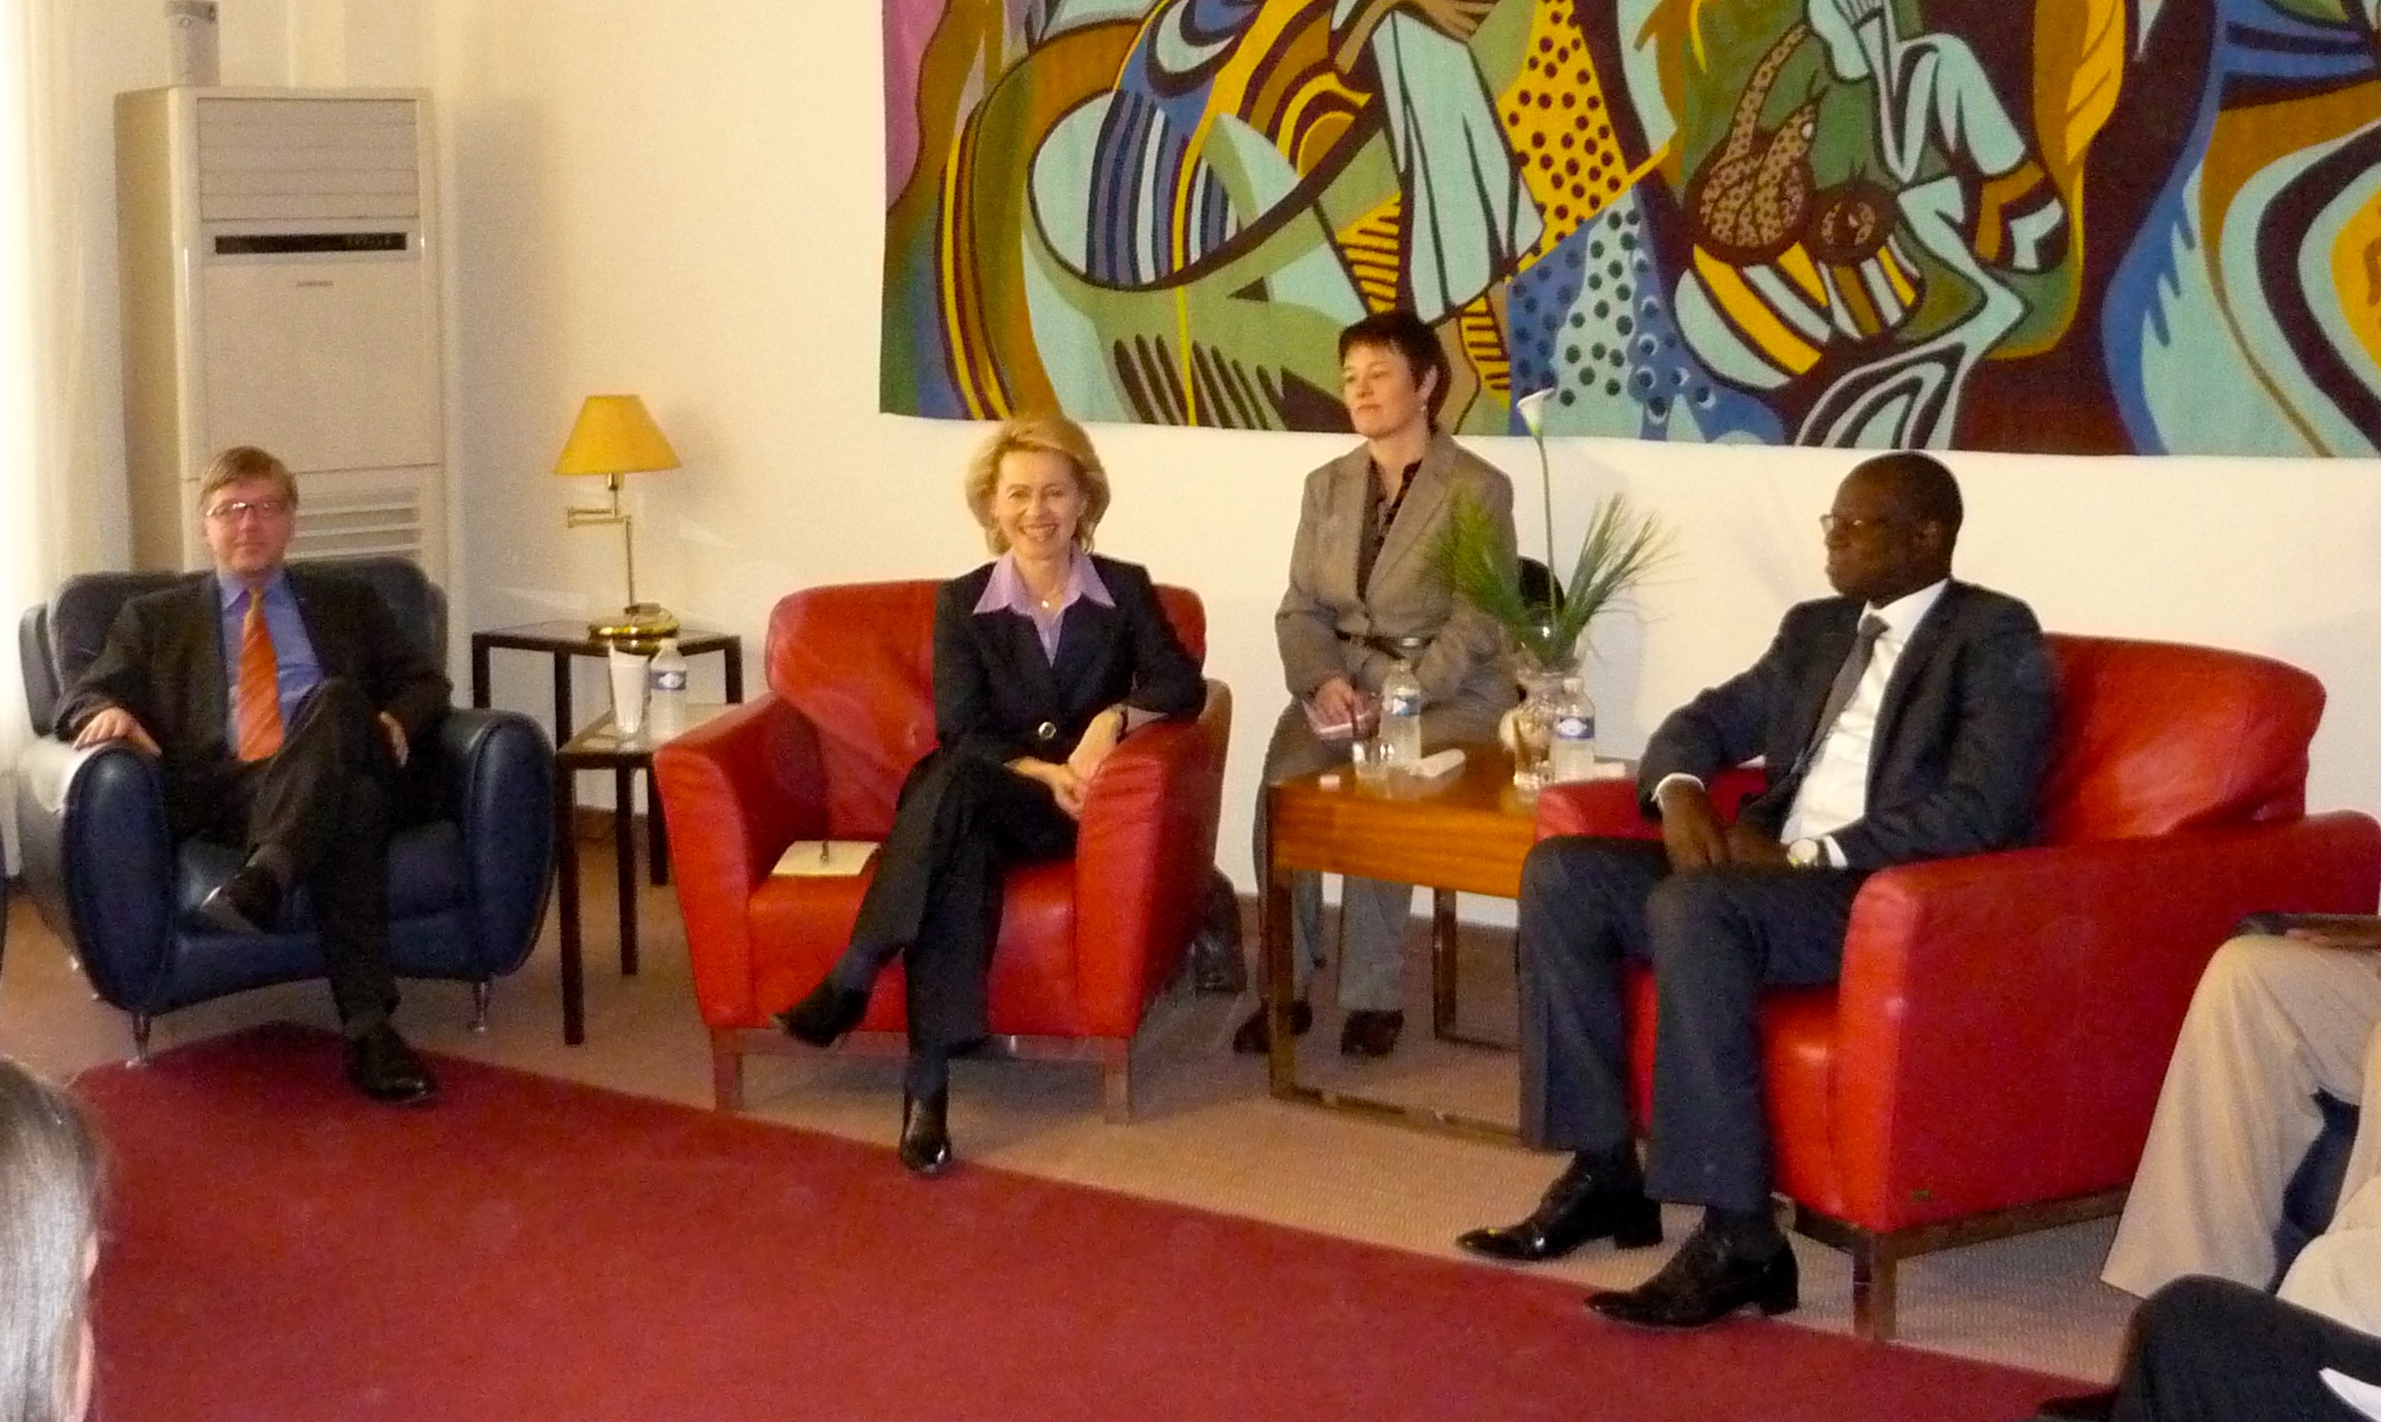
(926, 1133)
(826, 1014)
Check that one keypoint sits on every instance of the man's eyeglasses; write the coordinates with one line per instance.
(239, 509)
(1832, 524)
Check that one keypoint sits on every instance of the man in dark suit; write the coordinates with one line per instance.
(1906, 719)
(281, 703)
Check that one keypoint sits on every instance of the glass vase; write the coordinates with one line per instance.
(1529, 727)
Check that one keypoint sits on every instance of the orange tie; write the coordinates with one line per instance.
(260, 685)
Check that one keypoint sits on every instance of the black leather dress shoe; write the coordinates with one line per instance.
(1254, 1037)
(1705, 1281)
(247, 902)
(381, 1066)
(2082, 1407)
(826, 1014)
(1367, 1033)
(1575, 1209)
(926, 1133)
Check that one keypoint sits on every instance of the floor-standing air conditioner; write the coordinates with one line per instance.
(281, 289)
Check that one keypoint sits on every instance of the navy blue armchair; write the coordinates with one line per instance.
(468, 878)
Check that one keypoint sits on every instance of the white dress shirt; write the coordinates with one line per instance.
(1835, 792)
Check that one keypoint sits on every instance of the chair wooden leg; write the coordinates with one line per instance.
(481, 992)
(141, 1023)
(727, 1071)
(1873, 1270)
(1116, 1081)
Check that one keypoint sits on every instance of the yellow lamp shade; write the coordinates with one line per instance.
(614, 435)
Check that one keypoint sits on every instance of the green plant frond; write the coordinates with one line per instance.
(1479, 565)
(1621, 548)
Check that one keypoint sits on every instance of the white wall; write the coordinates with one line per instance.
(685, 201)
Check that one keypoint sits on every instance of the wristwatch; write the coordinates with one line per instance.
(1805, 854)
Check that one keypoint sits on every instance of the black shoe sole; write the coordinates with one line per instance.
(384, 1097)
(927, 1167)
(1775, 1296)
(1629, 1234)
(916, 1156)
(1770, 1308)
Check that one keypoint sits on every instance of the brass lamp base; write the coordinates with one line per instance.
(637, 622)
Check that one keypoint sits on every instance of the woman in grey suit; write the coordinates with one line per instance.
(1366, 590)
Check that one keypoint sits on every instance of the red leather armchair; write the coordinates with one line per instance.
(1084, 946)
(1990, 1058)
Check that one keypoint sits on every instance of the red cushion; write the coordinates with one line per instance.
(2155, 737)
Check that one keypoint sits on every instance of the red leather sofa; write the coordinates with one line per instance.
(1084, 945)
(1990, 1059)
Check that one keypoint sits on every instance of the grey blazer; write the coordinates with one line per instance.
(1321, 623)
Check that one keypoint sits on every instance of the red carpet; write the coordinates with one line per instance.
(279, 1249)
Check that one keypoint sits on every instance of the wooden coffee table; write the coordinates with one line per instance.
(1464, 832)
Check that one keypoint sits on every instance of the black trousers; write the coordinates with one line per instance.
(1715, 938)
(961, 821)
(2210, 1350)
(325, 805)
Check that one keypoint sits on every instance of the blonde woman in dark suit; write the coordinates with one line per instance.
(1043, 661)
(1365, 589)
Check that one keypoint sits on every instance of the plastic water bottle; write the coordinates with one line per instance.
(1574, 740)
(665, 683)
(1401, 716)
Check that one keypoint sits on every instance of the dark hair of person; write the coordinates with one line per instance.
(1402, 331)
(1924, 482)
(49, 1200)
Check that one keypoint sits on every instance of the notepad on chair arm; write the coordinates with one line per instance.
(832, 858)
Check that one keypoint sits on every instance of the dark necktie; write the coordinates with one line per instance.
(1847, 681)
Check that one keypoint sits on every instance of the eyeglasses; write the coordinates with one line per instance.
(1832, 524)
(238, 509)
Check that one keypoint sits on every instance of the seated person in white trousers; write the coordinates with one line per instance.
(2274, 1021)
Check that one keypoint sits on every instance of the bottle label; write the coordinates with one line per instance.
(1406, 703)
(673, 679)
(1575, 728)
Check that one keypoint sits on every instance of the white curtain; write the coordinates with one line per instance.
(55, 445)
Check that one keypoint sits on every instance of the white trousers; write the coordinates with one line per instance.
(2272, 1022)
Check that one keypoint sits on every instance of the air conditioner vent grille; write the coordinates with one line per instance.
(279, 159)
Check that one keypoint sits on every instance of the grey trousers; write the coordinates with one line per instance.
(1715, 938)
(1373, 913)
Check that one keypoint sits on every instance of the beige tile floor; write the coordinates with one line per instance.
(1204, 1133)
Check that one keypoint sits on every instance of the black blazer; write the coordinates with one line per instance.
(1962, 737)
(163, 662)
(997, 696)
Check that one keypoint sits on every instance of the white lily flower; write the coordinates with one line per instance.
(1533, 411)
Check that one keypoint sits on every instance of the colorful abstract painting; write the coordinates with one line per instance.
(2102, 226)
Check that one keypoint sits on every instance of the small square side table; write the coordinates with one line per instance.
(1465, 832)
(565, 640)
(602, 747)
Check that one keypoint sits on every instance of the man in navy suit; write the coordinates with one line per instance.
(1905, 719)
(303, 770)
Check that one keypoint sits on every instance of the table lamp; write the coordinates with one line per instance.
(614, 436)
